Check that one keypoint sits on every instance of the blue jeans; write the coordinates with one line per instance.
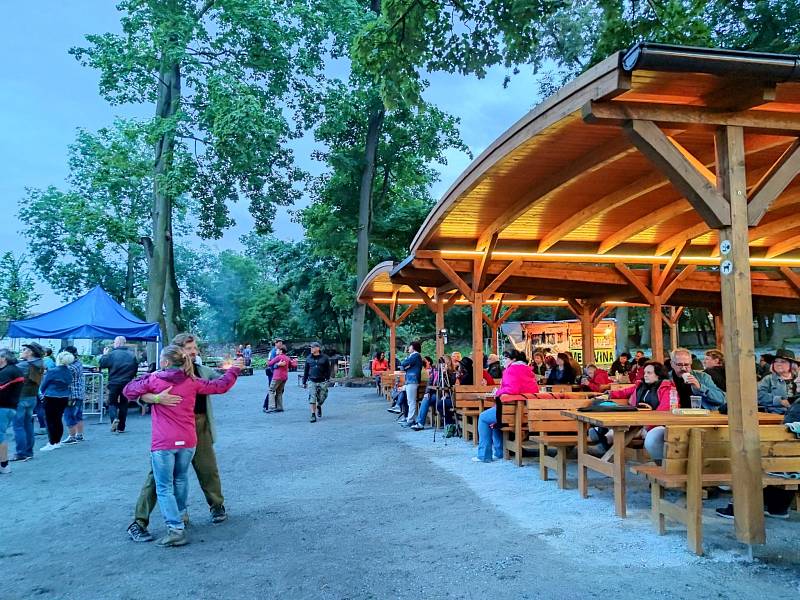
(444, 406)
(23, 426)
(171, 474)
(489, 438)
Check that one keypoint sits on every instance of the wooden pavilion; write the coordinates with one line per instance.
(664, 175)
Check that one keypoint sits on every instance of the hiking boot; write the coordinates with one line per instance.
(727, 512)
(114, 425)
(174, 537)
(70, 440)
(138, 533)
(417, 427)
(319, 411)
(218, 514)
(313, 418)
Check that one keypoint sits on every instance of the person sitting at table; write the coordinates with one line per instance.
(379, 365)
(714, 366)
(562, 373)
(693, 383)
(595, 380)
(517, 379)
(576, 367)
(493, 366)
(780, 388)
(621, 366)
(764, 366)
(440, 393)
(539, 366)
(464, 373)
(650, 393)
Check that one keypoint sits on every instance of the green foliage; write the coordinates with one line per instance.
(17, 293)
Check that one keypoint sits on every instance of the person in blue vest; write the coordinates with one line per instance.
(412, 365)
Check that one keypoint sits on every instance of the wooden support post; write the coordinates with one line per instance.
(494, 328)
(656, 331)
(392, 345)
(587, 333)
(439, 326)
(477, 338)
(737, 310)
(719, 331)
(674, 320)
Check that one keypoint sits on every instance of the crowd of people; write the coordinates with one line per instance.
(683, 379)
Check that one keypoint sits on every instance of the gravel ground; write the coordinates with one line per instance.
(350, 507)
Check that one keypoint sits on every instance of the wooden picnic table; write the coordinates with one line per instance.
(626, 427)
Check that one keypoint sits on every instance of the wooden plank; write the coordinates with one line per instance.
(635, 281)
(429, 302)
(635, 227)
(738, 316)
(482, 265)
(776, 123)
(501, 277)
(683, 172)
(773, 183)
(682, 237)
(477, 337)
(694, 492)
(669, 268)
(439, 312)
(673, 285)
(454, 278)
(784, 246)
(376, 309)
(406, 313)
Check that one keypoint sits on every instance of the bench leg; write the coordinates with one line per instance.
(561, 466)
(694, 492)
(507, 445)
(542, 461)
(619, 473)
(656, 496)
(583, 482)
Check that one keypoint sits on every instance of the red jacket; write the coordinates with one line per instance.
(662, 392)
(600, 379)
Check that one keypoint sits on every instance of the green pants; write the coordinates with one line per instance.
(317, 392)
(205, 466)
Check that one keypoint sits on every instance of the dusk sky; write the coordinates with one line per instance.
(45, 95)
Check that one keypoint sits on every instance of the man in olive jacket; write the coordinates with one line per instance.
(204, 461)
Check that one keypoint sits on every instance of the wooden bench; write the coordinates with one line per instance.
(698, 457)
(468, 403)
(387, 385)
(516, 419)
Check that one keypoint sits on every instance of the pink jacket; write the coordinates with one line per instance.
(630, 393)
(173, 426)
(281, 373)
(518, 378)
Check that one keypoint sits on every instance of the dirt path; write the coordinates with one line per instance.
(349, 507)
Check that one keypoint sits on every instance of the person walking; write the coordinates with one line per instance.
(247, 354)
(280, 375)
(122, 368)
(204, 461)
(73, 414)
(11, 381)
(174, 434)
(32, 369)
(318, 372)
(269, 370)
(55, 392)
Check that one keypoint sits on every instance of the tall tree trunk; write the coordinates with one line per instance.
(364, 223)
(169, 93)
(645, 339)
(172, 294)
(129, 275)
(622, 329)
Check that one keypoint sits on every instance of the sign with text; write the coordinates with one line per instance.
(562, 336)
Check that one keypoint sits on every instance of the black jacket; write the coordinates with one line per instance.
(10, 392)
(121, 364)
(317, 369)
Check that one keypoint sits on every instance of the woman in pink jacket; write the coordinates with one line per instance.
(280, 374)
(518, 378)
(174, 436)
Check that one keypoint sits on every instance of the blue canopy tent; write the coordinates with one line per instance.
(95, 315)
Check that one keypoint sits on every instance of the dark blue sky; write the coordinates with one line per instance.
(45, 95)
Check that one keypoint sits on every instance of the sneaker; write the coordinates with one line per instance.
(174, 537)
(70, 440)
(401, 419)
(319, 411)
(49, 447)
(417, 427)
(18, 458)
(138, 533)
(475, 459)
(114, 425)
(218, 514)
(313, 418)
(771, 515)
(725, 513)
(278, 410)
(80, 438)
(5, 470)
(394, 410)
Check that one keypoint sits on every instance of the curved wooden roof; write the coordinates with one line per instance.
(566, 178)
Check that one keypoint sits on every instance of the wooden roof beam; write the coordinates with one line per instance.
(636, 282)
(579, 168)
(774, 227)
(454, 277)
(482, 264)
(792, 277)
(501, 277)
(784, 246)
(379, 312)
(685, 236)
(673, 285)
(739, 95)
(406, 313)
(618, 113)
(689, 176)
(673, 209)
(669, 268)
(429, 302)
(773, 183)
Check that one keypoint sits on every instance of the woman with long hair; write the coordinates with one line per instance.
(563, 373)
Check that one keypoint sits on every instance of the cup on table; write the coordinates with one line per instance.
(697, 401)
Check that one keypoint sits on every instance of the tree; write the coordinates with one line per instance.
(91, 233)
(222, 76)
(17, 292)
